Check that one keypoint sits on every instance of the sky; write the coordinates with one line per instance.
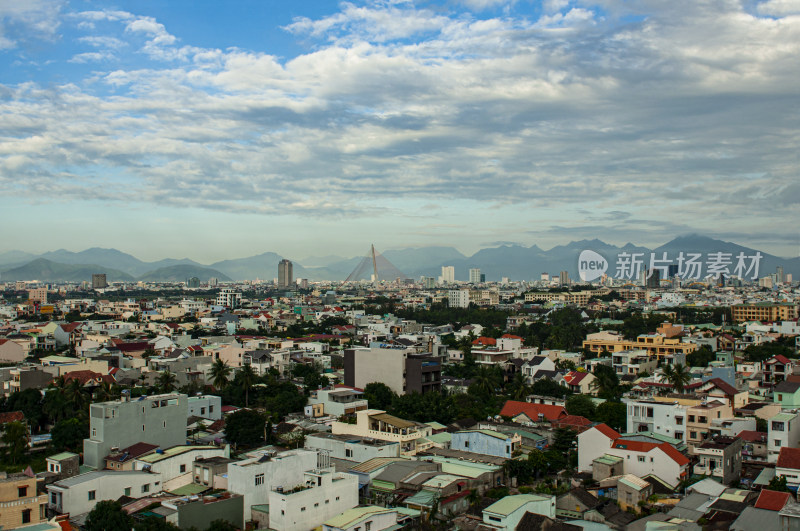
(219, 130)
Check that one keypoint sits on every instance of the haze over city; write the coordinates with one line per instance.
(312, 128)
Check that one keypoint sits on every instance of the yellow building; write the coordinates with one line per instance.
(764, 311)
(20, 504)
(654, 344)
(698, 421)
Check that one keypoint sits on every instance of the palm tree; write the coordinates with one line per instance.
(56, 404)
(677, 375)
(15, 439)
(247, 377)
(483, 383)
(518, 387)
(220, 372)
(166, 381)
(77, 395)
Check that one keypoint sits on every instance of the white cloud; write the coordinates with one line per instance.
(28, 21)
(779, 8)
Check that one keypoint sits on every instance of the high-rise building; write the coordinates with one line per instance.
(193, 282)
(428, 282)
(458, 298)
(779, 273)
(563, 278)
(672, 270)
(99, 281)
(545, 277)
(229, 298)
(653, 279)
(285, 276)
(448, 274)
(474, 275)
(38, 295)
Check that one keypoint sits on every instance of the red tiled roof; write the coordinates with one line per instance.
(753, 436)
(771, 500)
(573, 420)
(673, 453)
(575, 377)
(510, 336)
(723, 386)
(70, 327)
(485, 341)
(789, 458)
(85, 376)
(645, 447)
(512, 408)
(608, 431)
(780, 358)
(133, 346)
(12, 416)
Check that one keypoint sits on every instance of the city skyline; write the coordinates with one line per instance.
(159, 129)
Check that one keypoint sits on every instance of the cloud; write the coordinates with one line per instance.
(28, 21)
(673, 117)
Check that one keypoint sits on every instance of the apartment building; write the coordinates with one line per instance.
(721, 458)
(20, 503)
(764, 311)
(400, 368)
(377, 424)
(323, 494)
(662, 418)
(699, 421)
(79, 494)
(157, 419)
(335, 402)
(783, 431)
(655, 344)
(633, 362)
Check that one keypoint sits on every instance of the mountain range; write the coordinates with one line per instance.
(516, 262)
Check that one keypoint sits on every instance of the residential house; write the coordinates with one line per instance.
(507, 512)
(787, 394)
(754, 445)
(322, 495)
(665, 418)
(63, 465)
(256, 476)
(370, 517)
(377, 424)
(575, 503)
(783, 432)
(776, 369)
(175, 464)
(197, 512)
(788, 466)
(79, 494)
(207, 407)
(486, 442)
(720, 457)
(350, 447)
(631, 490)
(211, 472)
(530, 413)
(699, 418)
(123, 459)
(580, 382)
(20, 501)
(336, 402)
(11, 351)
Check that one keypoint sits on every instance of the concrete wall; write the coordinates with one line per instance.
(107, 485)
(122, 424)
(480, 443)
(307, 509)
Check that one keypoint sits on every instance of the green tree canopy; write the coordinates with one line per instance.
(245, 427)
(69, 434)
(581, 405)
(379, 395)
(108, 515)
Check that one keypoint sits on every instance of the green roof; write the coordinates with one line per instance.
(439, 438)
(353, 516)
(188, 490)
(509, 504)
(608, 459)
(490, 433)
(425, 498)
(784, 416)
(61, 456)
(436, 425)
(261, 508)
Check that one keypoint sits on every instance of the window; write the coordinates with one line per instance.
(183, 469)
(777, 443)
(368, 526)
(466, 444)
(641, 459)
(494, 519)
(337, 498)
(679, 420)
(165, 423)
(146, 487)
(94, 432)
(26, 516)
(92, 495)
(142, 427)
(53, 498)
(650, 412)
(127, 491)
(302, 509)
(22, 491)
(259, 479)
(691, 418)
(211, 409)
(348, 452)
(777, 426)
(327, 502)
(202, 411)
(316, 504)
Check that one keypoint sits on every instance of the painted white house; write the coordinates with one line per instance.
(79, 494)
(506, 512)
(323, 494)
(663, 418)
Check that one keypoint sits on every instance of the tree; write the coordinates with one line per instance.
(245, 427)
(247, 377)
(517, 388)
(221, 525)
(154, 523)
(166, 381)
(547, 387)
(614, 414)
(69, 434)
(485, 383)
(606, 382)
(379, 395)
(582, 406)
(15, 439)
(700, 357)
(220, 374)
(778, 483)
(677, 375)
(106, 515)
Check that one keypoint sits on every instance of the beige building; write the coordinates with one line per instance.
(764, 311)
(19, 502)
(377, 424)
(654, 344)
(698, 421)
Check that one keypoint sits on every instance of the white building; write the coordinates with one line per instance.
(255, 477)
(229, 298)
(784, 432)
(323, 494)
(663, 418)
(474, 276)
(176, 464)
(351, 448)
(507, 512)
(157, 419)
(206, 407)
(336, 402)
(448, 274)
(458, 298)
(79, 494)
